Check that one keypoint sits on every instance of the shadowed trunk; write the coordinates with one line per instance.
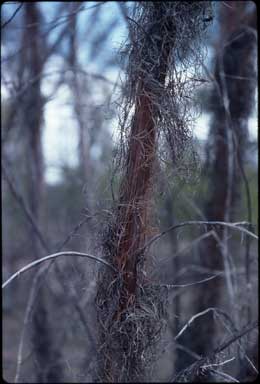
(234, 71)
(45, 358)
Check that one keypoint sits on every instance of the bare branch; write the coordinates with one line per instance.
(19, 198)
(237, 336)
(227, 5)
(73, 232)
(189, 284)
(192, 370)
(218, 364)
(194, 242)
(54, 255)
(191, 321)
(13, 16)
(225, 376)
(235, 226)
(45, 246)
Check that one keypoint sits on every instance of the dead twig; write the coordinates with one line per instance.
(19, 198)
(235, 226)
(190, 284)
(237, 336)
(225, 376)
(12, 17)
(191, 321)
(195, 369)
(53, 256)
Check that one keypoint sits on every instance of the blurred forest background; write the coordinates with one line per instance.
(63, 68)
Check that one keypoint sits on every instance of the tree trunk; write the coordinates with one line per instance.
(122, 297)
(132, 216)
(236, 58)
(45, 357)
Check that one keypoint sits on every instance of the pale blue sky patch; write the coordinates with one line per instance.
(60, 133)
(60, 140)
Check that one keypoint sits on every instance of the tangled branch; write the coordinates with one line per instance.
(204, 364)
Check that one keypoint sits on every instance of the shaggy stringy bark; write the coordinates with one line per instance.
(130, 311)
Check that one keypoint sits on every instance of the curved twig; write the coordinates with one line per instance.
(236, 226)
(49, 257)
(191, 321)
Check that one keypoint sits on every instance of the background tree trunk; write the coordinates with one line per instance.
(45, 357)
(234, 71)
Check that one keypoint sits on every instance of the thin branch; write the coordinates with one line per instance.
(45, 246)
(223, 92)
(225, 376)
(73, 232)
(194, 206)
(59, 20)
(52, 25)
(190, 284)
(191, 321)
(231, 328)
(22, 203)
(227, 5)
(240, 164)
(193, 243)
(49, 257)
(13, 16)
(218, 364)
(199, 363)
(236, 337)
(235, 226)
(186, 350)
(31, 82)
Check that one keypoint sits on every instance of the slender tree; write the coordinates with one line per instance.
(231, 103)
(130, 311)
(75, 85)
(45, 357)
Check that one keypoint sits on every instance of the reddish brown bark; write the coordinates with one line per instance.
(119, 300)
(133, 212)
(133, 202)
(133, 215)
